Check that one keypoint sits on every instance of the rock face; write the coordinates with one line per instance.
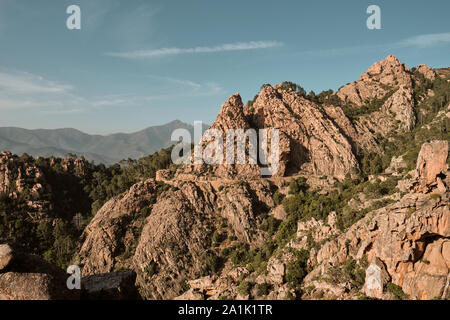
(314, 142)
(360, 135)
(431, 163)
(231, 116)
(111, 286)
(390, 82)
(308, 138)
(28, 277)
(377, 81)
(111, 236)
(176, 241)
(402, 242)
(317, 138)
(13, 175)
(427, 72)
(173, 242)
(407, 241)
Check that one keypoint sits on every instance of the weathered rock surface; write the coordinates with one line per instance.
(314, 142)
(176, 240)
(110, 286)
(115, 228)
(390, 82)
(13, 175)
(407, 240)
(377, 81)
(6, 256)
(431, 163)
(427, 71)
(29, 277)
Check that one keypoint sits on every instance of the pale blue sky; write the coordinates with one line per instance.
(138, 63)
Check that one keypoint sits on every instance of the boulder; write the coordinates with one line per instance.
(110, 286)
(29, 286)
(431, 163)
(5, 256)
(29, 277)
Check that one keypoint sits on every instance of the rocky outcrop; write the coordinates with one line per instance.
(317, 139)
(6, 256)
(426, 71)
(26, 276)
(15, 176)
(431, 166)
(406, 241)
(314, 144)
(377, 81)
(359, 135)
(399, 239)
(111, 236)
(308, 139)
(389, 82)
(174, 240)
(401, 106)
(186, 217)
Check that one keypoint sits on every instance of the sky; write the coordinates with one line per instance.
(139, 63)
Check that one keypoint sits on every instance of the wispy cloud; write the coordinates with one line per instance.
(182, 82)
(419, 41)
(26, 90)
(426, 40)
(238, 46)
(27, 83)
(22, 90)
(192, 89)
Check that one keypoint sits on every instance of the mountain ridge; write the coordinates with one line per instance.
(107, 149)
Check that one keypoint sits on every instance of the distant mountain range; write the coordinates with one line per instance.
(106, 149)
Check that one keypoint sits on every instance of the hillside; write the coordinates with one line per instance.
(359, 208)
(100, 149)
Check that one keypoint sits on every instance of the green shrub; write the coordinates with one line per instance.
(435, 196)
(296, 270)
(244, 288)
(396, 291)
(270, 225)
(212, 262)
(263, 289)
(278, 197)
(151, 268)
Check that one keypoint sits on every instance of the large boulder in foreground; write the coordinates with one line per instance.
(5, 256)
(29, 277)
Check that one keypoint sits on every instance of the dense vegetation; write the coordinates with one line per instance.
(73, 197)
